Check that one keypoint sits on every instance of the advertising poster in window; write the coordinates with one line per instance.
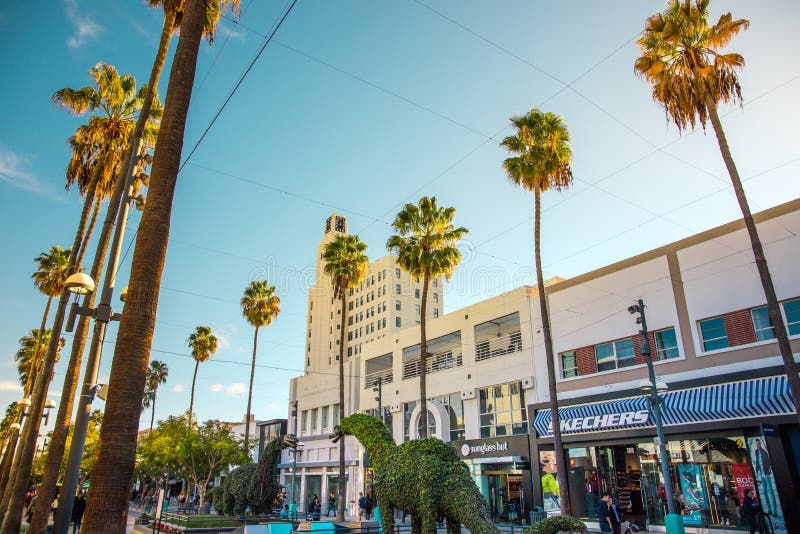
(743, 478)
(550, 491)
(692, 494)
(765, 481)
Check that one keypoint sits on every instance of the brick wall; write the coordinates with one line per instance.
(739, 326)
(587, 363)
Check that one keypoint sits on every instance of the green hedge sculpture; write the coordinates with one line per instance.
(556, 524)
(424, 477)
(254, 485)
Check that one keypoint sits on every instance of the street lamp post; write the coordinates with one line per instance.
(673, 521)
(102, 314)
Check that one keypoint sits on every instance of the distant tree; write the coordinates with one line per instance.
(346, 262)
(426, 247)
(260, 306)
(203, 343)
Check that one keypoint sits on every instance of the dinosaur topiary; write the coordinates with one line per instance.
(254, 485)
(424, 477)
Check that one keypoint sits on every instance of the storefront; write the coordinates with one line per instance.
(501, 469)
(721, 440)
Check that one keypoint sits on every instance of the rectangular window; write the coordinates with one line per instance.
(666, 344)
(335, 410)
(313, 424)
(384, 322)
(791, 309)
(397, 305)
(416, 308)
(416, 293)
(397, 289)
(397, 322)
(304, 421)
(325, 418)
(435, 313)
(397, 273)
(762, 324)
(350, 306)
(349, 352)
(436, 297)
(502, 410)
(435, 283)
(614, 355)
(569, 364)
(714, 334)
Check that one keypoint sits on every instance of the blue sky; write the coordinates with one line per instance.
(357, 107)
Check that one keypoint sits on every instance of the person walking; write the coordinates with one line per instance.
(331, 504)
(368, 507)
(615, 516)
(77, 512)
(362, 506)
(752, 512)
(604, 514)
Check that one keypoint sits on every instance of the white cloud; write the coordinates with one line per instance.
(14, 171)
(9, 385)
(9, 363)
(178, 388)
(86, 29)
(231, 390)
(229, 32)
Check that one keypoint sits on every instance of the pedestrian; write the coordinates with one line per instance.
(54, 507)
(362, 506)
(752, 512)
(368, 507)
(30, 506)
(77, 512)
(604, 514)
(331, 504)
(614, 515)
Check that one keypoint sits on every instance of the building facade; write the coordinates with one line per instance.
(386, 301)
(728, 415)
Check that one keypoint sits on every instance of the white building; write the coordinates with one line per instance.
(487, 384)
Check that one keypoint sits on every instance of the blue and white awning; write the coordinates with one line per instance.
(734, 400)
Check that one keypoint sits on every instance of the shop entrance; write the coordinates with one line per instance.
(503, 490)
(620, 474)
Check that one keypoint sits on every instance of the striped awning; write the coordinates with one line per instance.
(743, 399)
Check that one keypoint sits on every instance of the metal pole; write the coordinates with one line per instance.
(655, 403)
(103, 316)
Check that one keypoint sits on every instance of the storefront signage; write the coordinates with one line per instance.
(754, 398)
(604, 422)
(484, 448)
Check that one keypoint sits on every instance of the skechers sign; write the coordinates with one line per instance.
(598, 417)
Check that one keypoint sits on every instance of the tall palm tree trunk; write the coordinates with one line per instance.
(773, 307)
(342, 486)
(191, 401)
(14, 496)
(423, 357)
(106, 510)
(558, 445)
(88, 236)
(250, 394)
(58, 442)
(153, 415)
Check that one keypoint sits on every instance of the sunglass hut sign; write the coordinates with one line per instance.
(484, 448)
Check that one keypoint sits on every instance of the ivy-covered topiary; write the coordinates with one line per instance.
(254, 485)
(424, 477)
(215, 496)
(557, 523)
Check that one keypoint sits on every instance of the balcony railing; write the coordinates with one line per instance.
(439, 361)
(371, 380)
(498, 346)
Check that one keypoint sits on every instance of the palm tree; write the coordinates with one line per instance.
(346, 262)
(425, 244)
(260, 306)
(156, 375)
(204, 344)
(30, 357)
(113, 469)
(681, 59)
(99, 149)
(542, 163)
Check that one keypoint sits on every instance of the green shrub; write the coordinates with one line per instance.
(556, 524)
